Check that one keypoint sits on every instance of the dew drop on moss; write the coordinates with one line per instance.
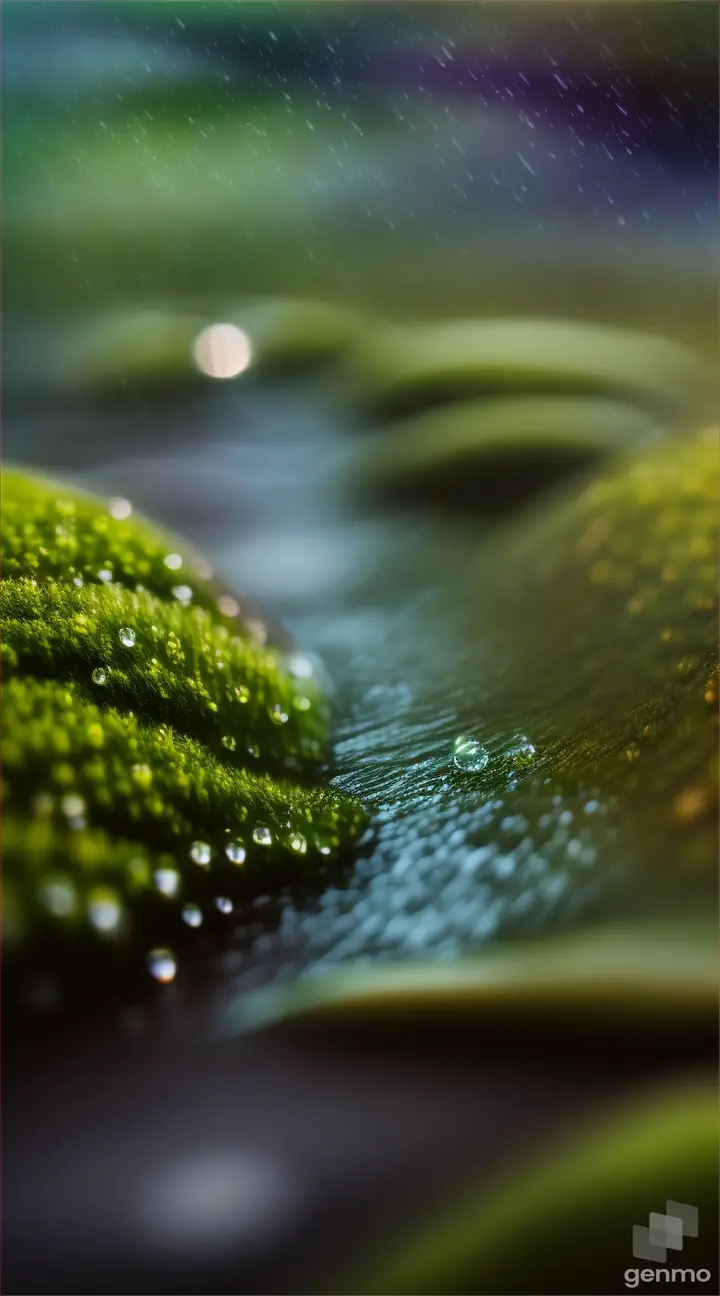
(469, 755)
(235, 852)
(98, 675)
(262, 835)
(192, 915)
(167, 881)
(162, 965)
(201, 853)
(127, 637)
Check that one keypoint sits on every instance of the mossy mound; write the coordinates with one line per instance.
(164, 746)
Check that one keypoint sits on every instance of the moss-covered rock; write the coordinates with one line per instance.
(163, 744)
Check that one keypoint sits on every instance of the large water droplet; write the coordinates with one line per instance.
(469, 755)
(224, 904)
(242, 693)
(201, 853)
(262, 835)
(278, 715)
(298, 843)
(98, 675)
(162, 965)
(192, 915)
(173, 561)
(182, 593)
(127, 637)
(235, 852)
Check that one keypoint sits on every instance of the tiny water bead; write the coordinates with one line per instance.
(127, 637)
(201, 853)
(167, 881)
(162, 965)
(241, 693)
(469, 755)
(278, 715)
(98, 676)
(173, 561)
(192, 915)
(104, 910)
(182, 593)
(522, 753)
(224, 904)
(58, 896)
(298, 843)
(236, 852)
(262, 835)
(120, 509)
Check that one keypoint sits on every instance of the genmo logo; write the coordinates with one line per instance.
(663, 1233)
(633, 1277)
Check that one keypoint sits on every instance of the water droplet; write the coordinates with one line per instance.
(142, 775)
(235, 852)
(78, 580)
(228, 741)
(222, 351)
(72, 805)
(98, 675)
(224, 904)
(302, 703)
(258, 631)
(182, 593)
(192, 915)
(242, 693)
(469, 755)
(300, 667)
(522, 753)
(298, 843)
(253, 750)
(277, 715)
(228, 606)
(262, 835)
(173, 561)
(119, 508)
(326, 850)
(104, 910)
(127, 637)
(162, 965)
(105, 575)
(201, 853)
(167, 881)
(58, 895)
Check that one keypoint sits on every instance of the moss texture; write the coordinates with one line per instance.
(164, 746)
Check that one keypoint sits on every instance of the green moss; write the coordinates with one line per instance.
(163, 746)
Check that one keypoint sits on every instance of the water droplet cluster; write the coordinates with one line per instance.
(134, 696)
